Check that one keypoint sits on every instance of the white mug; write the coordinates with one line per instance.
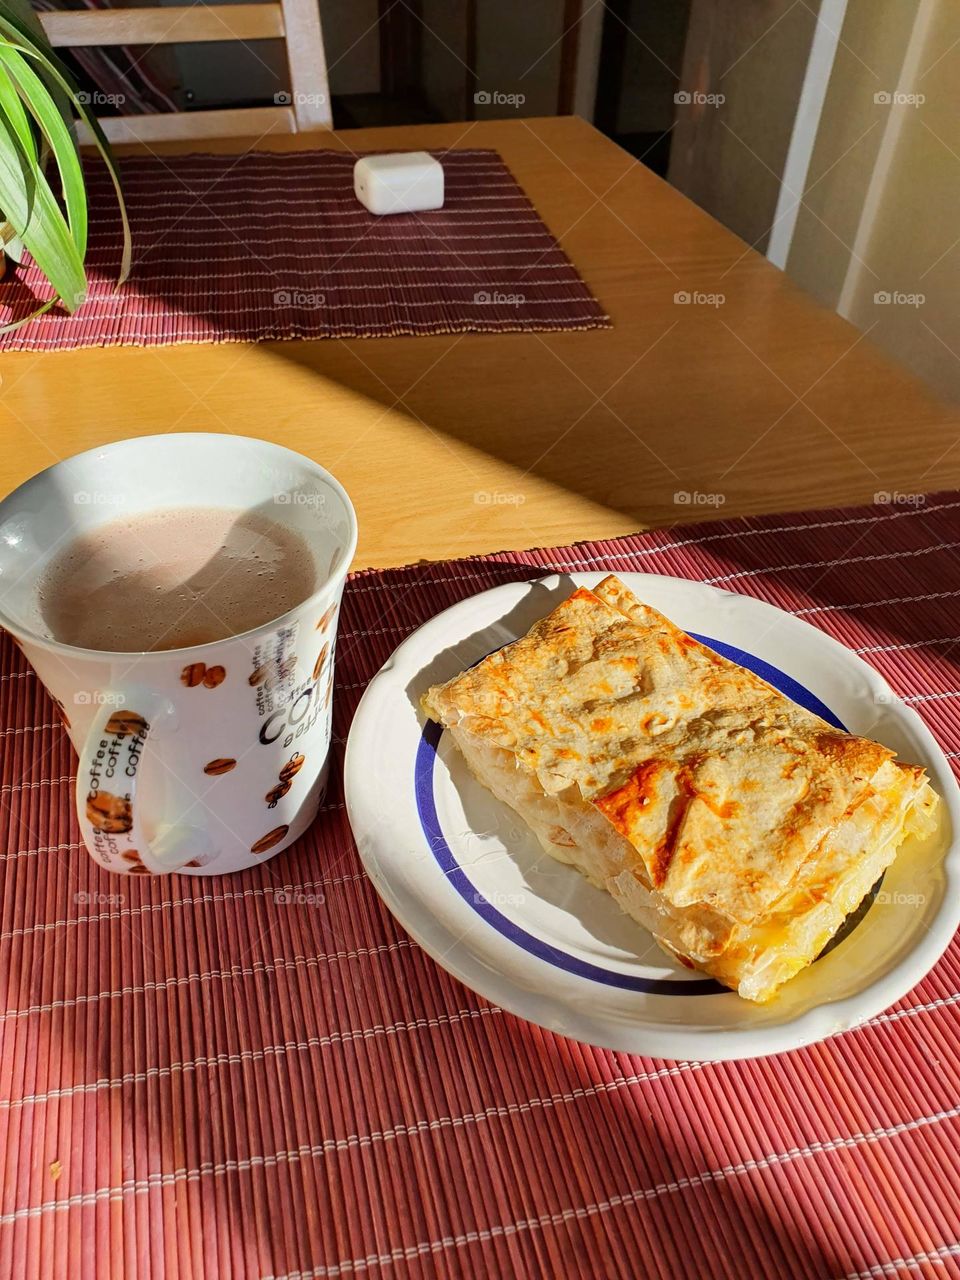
(208, 759)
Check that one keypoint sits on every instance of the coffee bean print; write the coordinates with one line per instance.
(136, 865)
(194, 862)
(199, 673)
(108, 813)
(292, 767)
(321, 662)
(258, 676)
(270, 839)
(277, 793)
(326, 619)
(126, 724)
(223, 764)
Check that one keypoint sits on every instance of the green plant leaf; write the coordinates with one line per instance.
(37, 93)
(29, 204)
(37, 98)
(11, 105)
(21, 39)
(28, 26)
(18, 324)
(106, 155)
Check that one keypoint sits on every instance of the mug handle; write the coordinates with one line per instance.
(108, 807)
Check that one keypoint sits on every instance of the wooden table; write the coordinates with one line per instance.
(473, 443)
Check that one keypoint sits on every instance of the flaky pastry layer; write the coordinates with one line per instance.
(736, 826)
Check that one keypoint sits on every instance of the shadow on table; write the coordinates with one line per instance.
(668, 401)
(846, 558)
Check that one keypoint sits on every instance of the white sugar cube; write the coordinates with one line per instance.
(402, 183)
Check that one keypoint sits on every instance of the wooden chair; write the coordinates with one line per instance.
(304, 106)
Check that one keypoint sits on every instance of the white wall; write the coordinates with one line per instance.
(729, 158)
(880, 215)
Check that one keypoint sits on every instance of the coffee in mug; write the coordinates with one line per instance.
(173, 578)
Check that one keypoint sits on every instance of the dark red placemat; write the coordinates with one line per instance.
(273, 245)
(261, 1075)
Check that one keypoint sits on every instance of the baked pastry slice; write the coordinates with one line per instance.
(736, 826)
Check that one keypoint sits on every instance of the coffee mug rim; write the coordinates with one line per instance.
(316, 597)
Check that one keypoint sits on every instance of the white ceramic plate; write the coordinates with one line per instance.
(467, 880)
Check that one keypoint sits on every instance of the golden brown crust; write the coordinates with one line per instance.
(721, 784)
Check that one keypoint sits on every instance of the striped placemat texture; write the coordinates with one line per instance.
(275, 246)
(261, 1075)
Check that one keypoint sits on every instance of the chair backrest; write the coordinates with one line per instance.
(303, 106)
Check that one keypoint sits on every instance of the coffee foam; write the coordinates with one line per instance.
(174, 578)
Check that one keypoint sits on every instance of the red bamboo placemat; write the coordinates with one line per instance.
(261, 1075)
(274, 245)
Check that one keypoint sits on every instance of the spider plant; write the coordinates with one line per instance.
(47, 214)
